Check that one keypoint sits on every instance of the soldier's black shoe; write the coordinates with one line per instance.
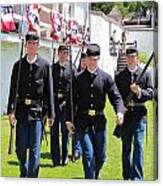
(23, 176)
(75, 157)
(65, 161)
(56, 164)
(97, 176)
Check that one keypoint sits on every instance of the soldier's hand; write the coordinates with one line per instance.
(50, 122)
(12, 120)
(135, 89)
(120, 118)
(70, 127)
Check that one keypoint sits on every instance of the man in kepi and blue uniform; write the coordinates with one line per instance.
(33, 96)
(134, 125)
(61, 77)
(90, 90)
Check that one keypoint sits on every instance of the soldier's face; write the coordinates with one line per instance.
(63, 56)
(83, 64)
(32, 47)
(132, 60)
(92, 62)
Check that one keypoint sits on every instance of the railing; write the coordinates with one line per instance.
(117, 48)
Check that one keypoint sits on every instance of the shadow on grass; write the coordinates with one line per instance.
(45, 155)
(46, 166)
(48, 132)
(77, 178)
(13, 163)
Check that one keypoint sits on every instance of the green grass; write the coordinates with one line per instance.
(112, 168)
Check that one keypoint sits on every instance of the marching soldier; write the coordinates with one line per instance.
(135, 116)
(90, 90)
(61, 77)
(33, 93)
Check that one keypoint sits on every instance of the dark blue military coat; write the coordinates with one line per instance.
(34, 90)
(90, 91)
(123, 81)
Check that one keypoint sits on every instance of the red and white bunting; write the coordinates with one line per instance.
(72, 31)
(7, 20)
(56, 20)
(32, 12)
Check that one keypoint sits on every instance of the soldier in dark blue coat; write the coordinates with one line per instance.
(90, 90)
(135, 116)
(33, 95)
(61, 77)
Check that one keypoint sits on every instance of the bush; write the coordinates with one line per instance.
(143, 57)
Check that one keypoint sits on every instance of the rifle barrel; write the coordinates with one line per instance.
(11, 139)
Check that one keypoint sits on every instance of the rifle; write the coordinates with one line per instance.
(83, 41)
(44, 131)
(51, 97)
(23, 29)
(11, 138)
(71, 99)
(118, 131)
(54, 53)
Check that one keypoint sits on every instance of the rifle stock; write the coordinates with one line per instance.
(11, 140)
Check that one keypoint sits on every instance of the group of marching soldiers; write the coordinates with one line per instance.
(73, 101)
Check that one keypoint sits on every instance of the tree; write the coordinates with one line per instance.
(127, 9)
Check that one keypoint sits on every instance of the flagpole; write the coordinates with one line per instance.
(83, 39)
(89, 12)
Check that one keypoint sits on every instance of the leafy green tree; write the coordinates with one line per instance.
(127, 9)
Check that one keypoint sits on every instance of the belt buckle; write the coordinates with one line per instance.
(131, 104)
(91, 112)
(28, 101)
(60, 95)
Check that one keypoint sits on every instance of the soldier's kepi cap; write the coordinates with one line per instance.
(63, 47)
(83, 55)
(131, 51)
(93, 50)
(32, 36)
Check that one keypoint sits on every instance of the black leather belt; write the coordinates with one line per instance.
(136, 105)
(92, 112)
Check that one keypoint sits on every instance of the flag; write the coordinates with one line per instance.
(72, 31)
(56, 20)
(7, 20)
(33, 18)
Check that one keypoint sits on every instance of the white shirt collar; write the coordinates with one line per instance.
(92, 71)
(133, 70)
(33, 60)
